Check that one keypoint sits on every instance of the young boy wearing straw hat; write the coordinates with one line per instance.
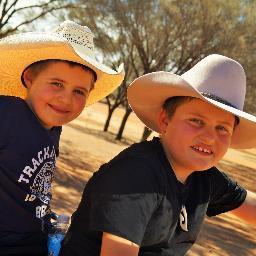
(153, 197)
(46, 81)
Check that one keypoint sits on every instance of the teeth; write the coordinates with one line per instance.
(202, 150)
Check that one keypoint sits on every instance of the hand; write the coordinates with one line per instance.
(47, 222)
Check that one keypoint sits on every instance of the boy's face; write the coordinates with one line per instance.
(58, 94)
(197, 136)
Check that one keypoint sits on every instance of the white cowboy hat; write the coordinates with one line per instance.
(70, 41)
(216, 79)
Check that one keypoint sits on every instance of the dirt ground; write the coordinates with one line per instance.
(84, 147)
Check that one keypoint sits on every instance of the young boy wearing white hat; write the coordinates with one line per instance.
(153, 197)
(46, 81)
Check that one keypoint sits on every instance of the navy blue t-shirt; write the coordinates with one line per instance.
(27, 162)
(138, 197)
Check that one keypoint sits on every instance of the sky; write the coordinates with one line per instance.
(43, 24)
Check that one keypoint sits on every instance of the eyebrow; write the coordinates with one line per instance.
(63, 81)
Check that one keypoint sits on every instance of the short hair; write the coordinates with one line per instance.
(170, 105)
(38, 66)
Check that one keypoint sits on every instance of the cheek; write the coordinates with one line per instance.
(223, 145)
(182, 133)
(43, 93)
(225, 141)
(79, 104)
(187, 132)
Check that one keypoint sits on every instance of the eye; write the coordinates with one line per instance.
(57, 84)
(223, 130)
(196, 122)
(79, 92)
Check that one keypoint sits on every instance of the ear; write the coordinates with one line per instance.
(28, 78)
(162, 121)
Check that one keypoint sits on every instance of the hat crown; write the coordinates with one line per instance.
(78, 36)
(220, 77)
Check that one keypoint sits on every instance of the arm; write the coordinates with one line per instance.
(115, 246)
(247, 211)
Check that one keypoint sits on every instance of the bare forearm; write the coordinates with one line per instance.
(116, 246)
(247, 211)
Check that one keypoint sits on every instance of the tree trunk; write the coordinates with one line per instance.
(145, 134)
(121, 128)
(110, 112)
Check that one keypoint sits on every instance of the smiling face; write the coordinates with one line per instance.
(58, 93)
(196, 137)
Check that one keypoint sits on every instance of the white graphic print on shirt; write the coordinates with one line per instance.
(42, 183)
(39, 177)
(183, 218)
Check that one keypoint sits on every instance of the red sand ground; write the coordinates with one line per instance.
(84, 147)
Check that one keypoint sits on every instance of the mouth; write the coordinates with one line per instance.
(202, 150)
(59, 110)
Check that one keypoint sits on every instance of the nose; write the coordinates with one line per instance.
(208, 136)
(65, 97)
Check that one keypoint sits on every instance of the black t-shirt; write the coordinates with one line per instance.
(138, 197)
(27, 162)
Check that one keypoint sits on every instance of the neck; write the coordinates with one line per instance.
(29, 104)
(181, 176)
(180, 172)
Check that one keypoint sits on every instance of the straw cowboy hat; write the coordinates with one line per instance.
(70, 41)
(216, 79)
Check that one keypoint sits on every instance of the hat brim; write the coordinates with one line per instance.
(21, 50)
(156, 87)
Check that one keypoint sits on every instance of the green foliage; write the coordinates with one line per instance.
(172, 35)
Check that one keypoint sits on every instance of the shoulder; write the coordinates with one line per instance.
(139, 156)
(11, 111)
(146, 151)
(216, 175)
(221, 183)
(134, 165)
(10, 101)
(13, 107)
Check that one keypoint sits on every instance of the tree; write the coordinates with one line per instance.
(170, 35)
(246, 50)
(227, 27)
(113, 101)
(16, 13)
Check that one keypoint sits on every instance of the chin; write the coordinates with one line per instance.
(202, 167)
(50, 125)
(57, 124)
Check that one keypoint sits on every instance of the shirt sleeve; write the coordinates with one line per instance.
(123, 198)
(226, 194)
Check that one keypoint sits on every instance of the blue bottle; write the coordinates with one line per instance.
(56, 234)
